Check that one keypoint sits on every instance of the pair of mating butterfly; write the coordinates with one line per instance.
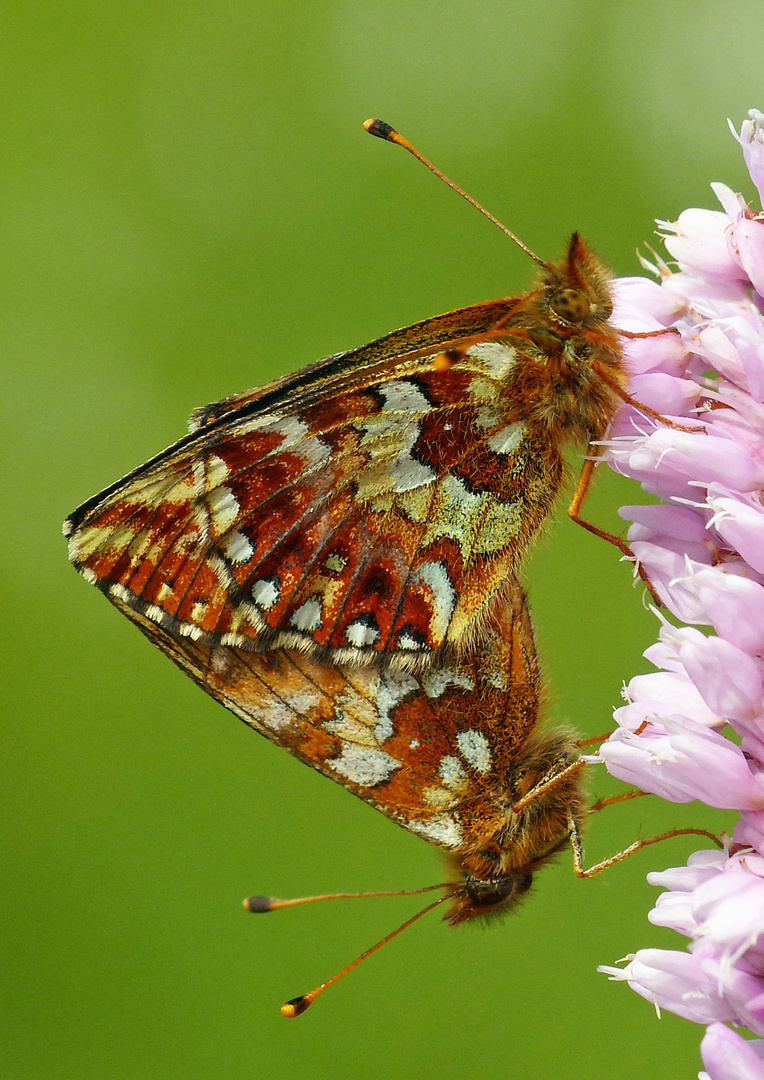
(333, 556)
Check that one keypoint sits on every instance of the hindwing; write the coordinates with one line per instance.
(432, 750)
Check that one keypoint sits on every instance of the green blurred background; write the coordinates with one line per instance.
(190, 207)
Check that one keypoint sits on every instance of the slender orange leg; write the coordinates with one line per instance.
(600, 804)
(594, 739)
(582, 487)
(549, 781)
(626, 397)
(574, 828)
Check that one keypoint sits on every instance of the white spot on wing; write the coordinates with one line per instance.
(435, 575)
(411, 644)
(443, 830)
(488, 416)
(388, 438)
(216, 471)
(265, 593)
(308, 616)
(394, 686)
(436, 681)
(223, 508)
(199, 610)
(479, 523)
(157, 615)
(495, 358)
(452, 772)
(305, 701)
(237, 547)
(403, 396)
(507, 439)
(294, 434)
(475, 749)
(275, 715)
(405, 472)
(363, 765)
(439, 797)
(359, 633)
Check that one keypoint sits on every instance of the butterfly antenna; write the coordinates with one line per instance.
(389, 134)
(296, 1006)
(261, 904)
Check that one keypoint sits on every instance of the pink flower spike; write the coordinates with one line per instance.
(639, 299)
(708, 297)
(747, 235)
(667, 570)
(674, 910)
(704, 552)
(728, 1056)
(743, 991)
(741, 523)
(681, 761)
(699, 244)
(714, 345)
(701, 866)
(749, 830)
(733, 204)
(729, 911)
(732, 604)
(728, 680)
(702, 459)
(751, 139)
(675, 981)
(658, 522)
(678, 397)
(667, 692)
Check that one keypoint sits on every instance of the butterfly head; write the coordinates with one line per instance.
(577, 290)
(497, 869)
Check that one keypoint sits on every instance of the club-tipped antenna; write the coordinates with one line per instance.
(297, 1006)
(389, 134)
(260, 904)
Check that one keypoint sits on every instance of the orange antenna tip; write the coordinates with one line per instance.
(296, 1006)
(384, 131)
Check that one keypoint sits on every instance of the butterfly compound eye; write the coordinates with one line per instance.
(570, 305)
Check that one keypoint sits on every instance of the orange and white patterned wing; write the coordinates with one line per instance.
(432, 750)
(371, 504)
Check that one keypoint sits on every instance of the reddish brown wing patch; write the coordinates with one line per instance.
(430, 751)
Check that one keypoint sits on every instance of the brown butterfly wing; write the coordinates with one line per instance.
(432, 751)
(373, 503)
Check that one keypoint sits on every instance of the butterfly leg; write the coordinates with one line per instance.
(600, 804)
(594, 739)
(582, 487)
(628, 399)
(552, 778)
(574, 831)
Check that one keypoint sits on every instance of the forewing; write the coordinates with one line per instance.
(428, 750)
(372, 504)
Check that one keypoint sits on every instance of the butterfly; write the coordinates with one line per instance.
(445, 752)
(453, 752)
(377, 503)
